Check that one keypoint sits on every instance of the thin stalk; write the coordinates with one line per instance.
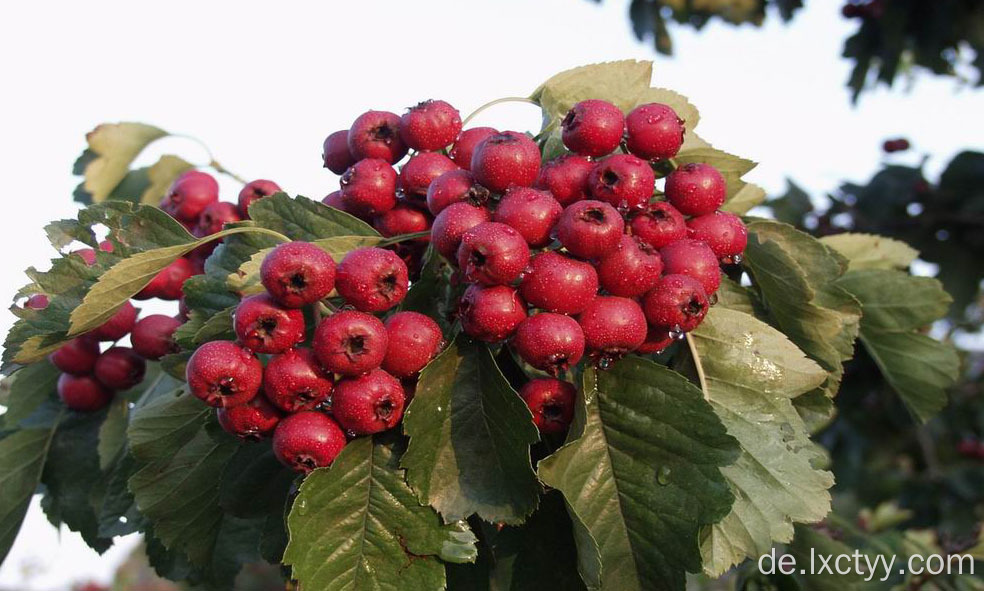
(698, 365)
(507, 99)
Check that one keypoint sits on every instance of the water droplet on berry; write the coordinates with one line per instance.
(604, 363)
(736, 259)
(713, 299)
(351, 434)
(676, 333)
(663, 475)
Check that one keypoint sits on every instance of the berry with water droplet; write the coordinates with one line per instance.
(369, 187)
(622, 180)
(372, 279)
(368, 404)
(493, 254)
(298, 273)
(464, 146)
(430, 125)
(491, 313)
(294, 380)
(251, 421)
(695, 259)
(264, 326)
(552, 403)
(676, 301)
(723, 232)
(451, 224)
(551, 342)
(566, 177)
(350, 342)
(630, 270)
(414, 339)
(335, 152)
(223, 374)
(504, 160)
(593, 128)
(531, 212)
(613, 326)
(557, 283)
(455, 186)
(653, 132)
(696, 189)
(420, 171)
(376, 134)
(659, 225)
(307, 440)
(590, 229)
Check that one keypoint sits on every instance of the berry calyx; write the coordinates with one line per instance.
(152, 336)
(530, 212)
(189, 195)
(631, 270)
(118, 326)
(654, 131)
(590, 229)
(623, 181)
(557, 283)
(414, 339)
(492, 254)
(723, 232)
(659, 225)
(264, 326)
(694, 259)
(77, 356)
(251, 421)
(430, 125)
(593, 128)
(307, 440)
(490, 313)
(677, 303)
(455, 186)
(451, 224)
(335, 152)
(376, 134)
(372, 279)
(369, 187)
(696, 189)
(350, 343)
(120, 368)
(223, 374)
(504, 160)
(551, 342)
(254, 191)
(566, 177)
(613, 326)
(83, 393)
(464, 146)
(294, 380)
(298, 273)
(552, 403)
(367, 404)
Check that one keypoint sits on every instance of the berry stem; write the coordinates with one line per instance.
(212, 162)
(698, 365)
(505, 99)
(404, 238)
(242, 230)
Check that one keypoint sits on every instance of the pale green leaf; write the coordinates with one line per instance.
(112, 148)
(869, 251)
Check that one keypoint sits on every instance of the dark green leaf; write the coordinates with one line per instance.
(22, 457)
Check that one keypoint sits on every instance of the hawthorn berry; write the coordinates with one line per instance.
(504, 160)
(307, 440)
(695, 259)
(294, 380)
(264, 326)
(493, 254)
(696, 189)
(566, 177)
(723, 232)
(590, 229)
(214, 217)
(88, 255)
(593, 128)
(77, 356)
(530, 212)
(659, 225)
(168, 283)
(490, 313)
(657, 340)
(464, 146)
(678, 302)
(120, 368)
(334, 199)
(613, 326)
(251, 421)
(189, 195)
(254, 191)
(369, 187)
(350, 342)
(414, 339)
(335, 152)
(552, 403)
(83, 393)
(118, 326)
(223, 374)
(430, 125)
(421, 170)
(376, 134)
(455, 186)
(654, 131)
(298, 273)
(623, 181)
(451, 224)
(152, 336)
(367, 404)
(557, 283)
(403, 219)
(37, 301)
(550, 342)
(372, 279)
(630, 270)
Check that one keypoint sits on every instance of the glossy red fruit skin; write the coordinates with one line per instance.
(120, 368)
(86, 254)
(696, 189)
(630, 270)
(451, 224)
(654, 131)
(350, 343)
(367, 404)
(369, 187)
(552, 403)
(168, 284)
(723, 232)
(493, 254)
(152, 336)
(464, 146)
(298, 273)
(334, 199)
(622, 180)
(189, 195)
(455, 186)
(414, 339)
(491, 313)
(83, 393)
(264, 326)
(372, 279)
(307, 440)
(420, 171)
(590, 229)
(504, 160)
(695, 259)
(613, 326)
(550, 342)
(222, 374)
(215, 216)
(403, 219)
(77, 356)
(251, 421)
(657, 340)
(295, 381)
(566, 177)
(118, 326)
(593, 128)
(376, 134)
(557, 283)
(659, 225)
(531, 212)
(254, 191)
(335, 152)
(430, 125)
(677, 302)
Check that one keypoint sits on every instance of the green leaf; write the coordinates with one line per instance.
(357, 525)
(750, 375)
(868, 251)
(641, 474)
(433, 293)
(732, 168)
(304, 219)
(744, 199)
(810, 542)
(255, 483)
(202, 327)
(112, 148)
(160, 176)
(22, 456)
(112, 433)
(469, 439)
(28, 389)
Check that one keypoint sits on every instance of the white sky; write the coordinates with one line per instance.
(262, 83)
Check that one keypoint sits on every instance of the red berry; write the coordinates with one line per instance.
(153, 336)
(723, 232)
(168, 284)
(297, 274)
(593, 128)
(696, 188)
(307, 440)
(464, 146)
(694, 259)
(83, 393)
(968, 447)
(369, 187)
(630, 270)
(455, 186)
(896, 145)
(612, 326)
(350, 343)
(552, 403)
(557, 283)
(294, 380)
(223, 374)
(451, 224)
(120, 368)
(654, 132)
(551, 342)
(334, 199)
(251, 421)
(531, 212)
(504, 160)
(37, 301)
(566, 177)
(493, 254)
(369, 403)
(86, 254)
(660, 225)
(335, 152)
(264, 326)
(118, 326)
(414, 339)
(430, 125)
(254, 191)
(657, 340)
(189, 195)
(372, 279)
(376, 134)
(421, 170)
(403, 219)
(491, 313)
(623, 181)
(77, 356)
(214, 217)
(590, 229)
(677, 302)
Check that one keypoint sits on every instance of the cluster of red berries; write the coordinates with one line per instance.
(897, 145)
(346, 383)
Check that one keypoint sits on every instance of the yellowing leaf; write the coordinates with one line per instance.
(112, 148)
(161, 174)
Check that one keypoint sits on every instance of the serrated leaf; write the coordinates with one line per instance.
(22, 457)
(751, 374)
(202, 327)
(469, 439)
(112, 433)
(27, 389)
(641, 473)
(112, 148)
(255, 483)
(304, 219)
(619, 82)
(747, 197)
(357, 525)
(160, 175)
(869, 251)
